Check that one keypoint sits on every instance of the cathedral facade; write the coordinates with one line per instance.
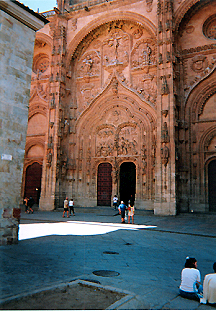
(123, 101)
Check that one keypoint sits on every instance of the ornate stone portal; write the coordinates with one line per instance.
(121, 87)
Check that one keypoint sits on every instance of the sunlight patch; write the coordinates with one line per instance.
(30, 231)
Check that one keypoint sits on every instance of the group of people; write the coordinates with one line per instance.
(68, 207)
(28, 205)
(123, 208)
(191, 287)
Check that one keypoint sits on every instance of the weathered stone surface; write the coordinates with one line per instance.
(16, 49)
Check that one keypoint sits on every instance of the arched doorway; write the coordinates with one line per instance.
(33, 181)
(104, 184)
(212, 185)
(127, 181)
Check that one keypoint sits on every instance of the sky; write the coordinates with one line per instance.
(42, 5)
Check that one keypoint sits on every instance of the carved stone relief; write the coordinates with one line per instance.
(143, 54)
(86, 92)
(146, 86)
(209, 27)
(89, 65)
(41, 63)
(165, 155)
(196, 68)
(149, 5)
(105, 142)
(128, 141)
(116, 50)
(164, 133)
(199, 63)
(116, 116)
(40, 89)
(124, 140)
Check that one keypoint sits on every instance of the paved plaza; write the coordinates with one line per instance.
(146, 259)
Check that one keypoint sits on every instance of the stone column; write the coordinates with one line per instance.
(165, 199)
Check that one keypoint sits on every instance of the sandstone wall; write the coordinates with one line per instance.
(16, 47)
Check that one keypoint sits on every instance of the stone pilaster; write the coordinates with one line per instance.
(54, 164)
(165, 200)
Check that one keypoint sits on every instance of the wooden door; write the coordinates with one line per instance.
(104, 184)
(33, 181)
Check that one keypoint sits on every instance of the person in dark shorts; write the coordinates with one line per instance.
(30, 205)
(122, 208)
(115, 201)
(66, 208)
(71, 207)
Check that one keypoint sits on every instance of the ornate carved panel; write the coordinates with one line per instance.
(41, 63)
(105, 142)
(128, 141)
(116, 50)
(143, 54)
(209, 27)
(89, 65)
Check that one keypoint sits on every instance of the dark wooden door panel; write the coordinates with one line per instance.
(104, 184)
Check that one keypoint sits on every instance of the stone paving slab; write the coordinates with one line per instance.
(149, 261)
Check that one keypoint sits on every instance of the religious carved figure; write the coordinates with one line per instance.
(116, 49)
(88, 66)
(64, 169)
(164, 133)
(66, 127)
(143, 54)
(164, 87)
(49, 158)
(50, 142)
(165, 155)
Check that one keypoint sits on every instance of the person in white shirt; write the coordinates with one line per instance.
(115, 201)
(71, 207)
(190, 287)
(66, 208)
(209, 287)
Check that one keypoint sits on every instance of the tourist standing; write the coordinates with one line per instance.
(71, 207)
(130, 213)
(115, 201)
(122, 208)
(30, 205)
(26, 204)
(66, 207)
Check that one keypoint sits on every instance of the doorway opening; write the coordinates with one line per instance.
(104, 184)
(212, 185)
(127, 181)
(33, 181)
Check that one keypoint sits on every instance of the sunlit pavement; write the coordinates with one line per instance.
(35, 230)
(148, 256)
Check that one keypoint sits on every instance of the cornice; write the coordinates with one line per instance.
(23, 14)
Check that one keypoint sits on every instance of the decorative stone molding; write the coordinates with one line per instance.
(41, 63)
(199, 63)
(149, 5)
(37, 107)
(209, 27)
(23, 14)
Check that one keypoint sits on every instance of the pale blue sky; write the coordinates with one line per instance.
(43, 5)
